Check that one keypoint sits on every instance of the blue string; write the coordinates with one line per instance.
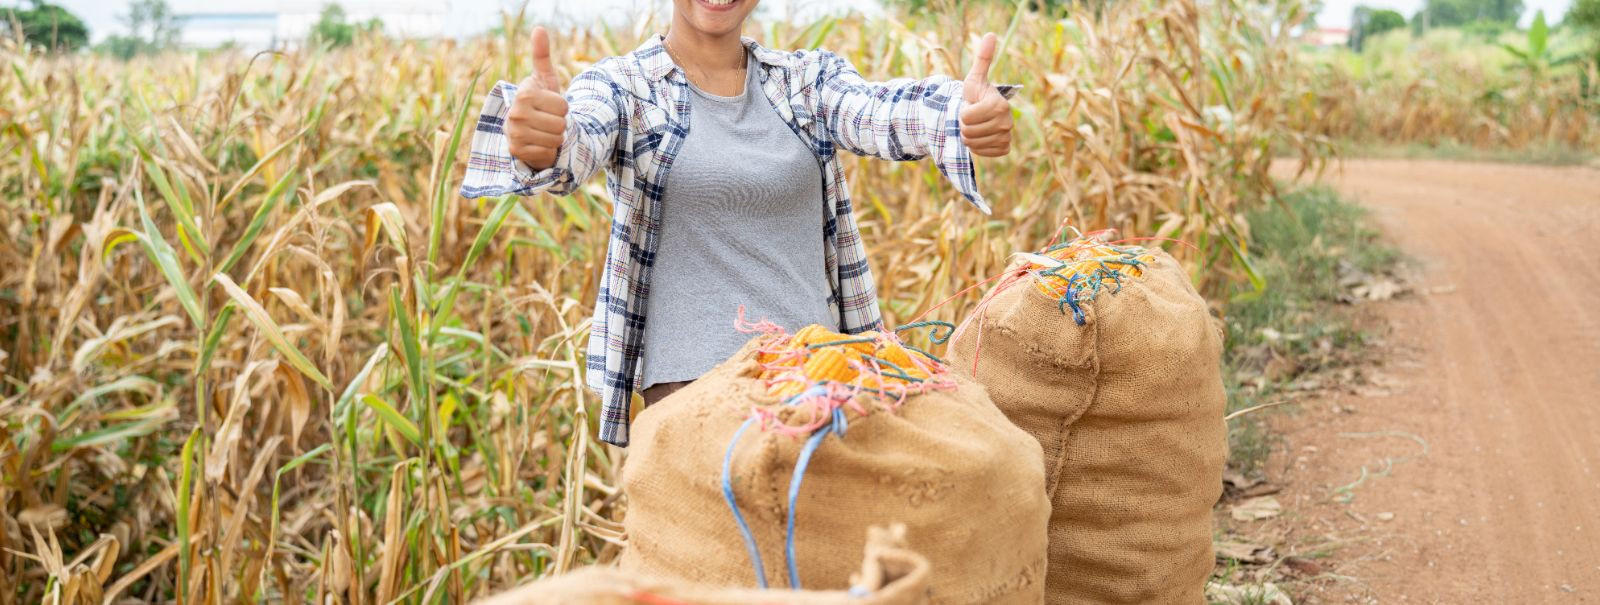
(933, 333)
(794, 493)
(727, 494)
(837, 426)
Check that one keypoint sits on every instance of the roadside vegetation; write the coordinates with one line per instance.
(1466, 88)
(1320, 256)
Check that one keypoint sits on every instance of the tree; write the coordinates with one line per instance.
(1367, 22)
(333, 30)
(151, 28)
(46, 25)
(1584, 14)
(1456, 13)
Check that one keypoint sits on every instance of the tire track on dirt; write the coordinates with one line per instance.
(1497, 367)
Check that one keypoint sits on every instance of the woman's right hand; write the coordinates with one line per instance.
(538, 119)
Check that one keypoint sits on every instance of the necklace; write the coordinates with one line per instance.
(743, 67)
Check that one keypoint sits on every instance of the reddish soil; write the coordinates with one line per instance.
(1494, 363)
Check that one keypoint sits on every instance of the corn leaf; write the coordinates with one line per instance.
(385, 218)
(393, 418)
(177, 198)
(256, 222)
(251, 173)
(277, 480)
(491, 226)
(269, 329)
(410, 349)
(379, 353)
(219, 326)
(166, 261)
(446, 166)
(185, 480)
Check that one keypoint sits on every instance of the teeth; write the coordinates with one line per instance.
(720, 2)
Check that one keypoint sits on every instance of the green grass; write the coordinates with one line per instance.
(1549, 155)
(1298, 244)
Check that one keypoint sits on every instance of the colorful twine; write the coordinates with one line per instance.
(823, 402)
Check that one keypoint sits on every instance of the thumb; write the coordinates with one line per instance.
(544, 72)
(978, 79)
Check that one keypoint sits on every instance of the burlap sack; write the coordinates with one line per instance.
(889, 575)
(964, 481)
(1128, 410)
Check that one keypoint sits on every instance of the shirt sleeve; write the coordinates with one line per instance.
(592, 125)
(902, 119)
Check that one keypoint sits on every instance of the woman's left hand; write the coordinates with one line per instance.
(986, 118)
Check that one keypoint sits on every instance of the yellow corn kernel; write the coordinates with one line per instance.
(896, 355)
(785, 390)
(806, 335)
(828, 363)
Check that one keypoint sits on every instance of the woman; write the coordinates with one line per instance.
(720, 157)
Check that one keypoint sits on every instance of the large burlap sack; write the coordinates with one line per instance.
(1127, 408)
(966, 483)
(890, 574)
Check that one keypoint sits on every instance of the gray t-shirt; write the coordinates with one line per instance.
(741, 223)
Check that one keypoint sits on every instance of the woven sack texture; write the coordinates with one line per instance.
(965, 482)
(1127, 408)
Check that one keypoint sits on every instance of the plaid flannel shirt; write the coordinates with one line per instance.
(630, 114)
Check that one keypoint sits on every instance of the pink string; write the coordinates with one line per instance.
(818, 408)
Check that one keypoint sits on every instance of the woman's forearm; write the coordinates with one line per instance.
(530, 140)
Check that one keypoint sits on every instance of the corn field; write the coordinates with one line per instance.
(255, 348)
(1448, 88)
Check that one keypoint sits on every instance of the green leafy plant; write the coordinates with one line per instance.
(46, 26)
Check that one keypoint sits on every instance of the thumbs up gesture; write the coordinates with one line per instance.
(538, 118)
(986, 118)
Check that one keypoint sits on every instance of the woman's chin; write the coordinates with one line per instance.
(714, 18)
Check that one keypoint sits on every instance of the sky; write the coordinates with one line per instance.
(470, 16)
(466, 17)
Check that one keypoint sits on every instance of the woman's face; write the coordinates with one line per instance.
(714, 17)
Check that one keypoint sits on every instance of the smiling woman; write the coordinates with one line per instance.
(721, 156)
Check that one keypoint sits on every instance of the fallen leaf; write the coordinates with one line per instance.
(1256, 509)
(1280, 367)
(1228, 594)
(1244, 552)
(1436, 290)
(1261, 489)
(1303, 565)
(1378, 290)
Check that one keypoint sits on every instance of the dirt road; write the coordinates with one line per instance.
(1493, 370)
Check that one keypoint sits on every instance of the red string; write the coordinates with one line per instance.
(958, 295)
(764, 326)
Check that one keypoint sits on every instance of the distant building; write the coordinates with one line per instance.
(1328, 36)
(212, 29)
(263, 24)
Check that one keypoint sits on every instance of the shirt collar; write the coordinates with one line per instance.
(657, 64)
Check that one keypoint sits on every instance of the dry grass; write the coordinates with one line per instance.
(254, 348)
(1448, 89)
